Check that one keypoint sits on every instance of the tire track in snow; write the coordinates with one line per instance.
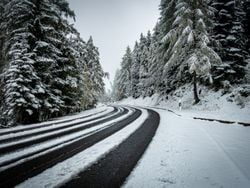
(8, 131)
(54, 127)
(25, 153)
(18, 155)
(19, 173)
(9, 147)
(113, 169)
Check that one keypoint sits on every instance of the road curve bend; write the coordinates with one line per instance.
(115, 167)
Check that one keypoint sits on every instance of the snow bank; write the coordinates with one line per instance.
(213, 104)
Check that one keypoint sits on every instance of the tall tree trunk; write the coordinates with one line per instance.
(196, 97)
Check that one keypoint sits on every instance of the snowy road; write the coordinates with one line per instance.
(102, 147)
(53, 153)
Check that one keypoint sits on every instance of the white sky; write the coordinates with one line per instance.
(114, 24)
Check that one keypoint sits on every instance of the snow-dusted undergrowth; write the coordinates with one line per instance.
(230, 106)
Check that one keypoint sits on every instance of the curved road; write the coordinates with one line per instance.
(27, 152)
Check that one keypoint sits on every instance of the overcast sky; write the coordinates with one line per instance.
(114, 24)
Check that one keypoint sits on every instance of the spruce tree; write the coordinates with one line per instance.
(230, 35)
(135, 71)
(21, 84)
(2, 35)
(154, 70)
(85, 95)
(144, 65)
(41, 78)
(166, 81)
(53, 59)
(246, 6)
(95, 70)
(125, 85)
(117, 94)
(189, 40)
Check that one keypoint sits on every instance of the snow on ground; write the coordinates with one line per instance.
(66, 170)
(213, 104)
(193, 153)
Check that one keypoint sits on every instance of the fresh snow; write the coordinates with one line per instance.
(213, 104)
(194, 153)
(68, 169)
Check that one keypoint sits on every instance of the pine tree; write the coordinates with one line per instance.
(229, 32)
(2, 54)
(85, 95)
(135, 71)
(41, 76)
(21, 83)
(246, 6)
(166, 20)
(95, 69)
(53, 59)
(2, 35)
(188, 41)
(144, 65)
(117, 93)
(125, 79)
(155, 63)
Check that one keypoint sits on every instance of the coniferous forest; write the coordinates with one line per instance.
(47, 70)
(198, 41)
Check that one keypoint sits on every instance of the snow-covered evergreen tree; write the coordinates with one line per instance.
(54, 60)
(155, 63)
(85, 95)
(45, 70)
(125, 77)
(135, 70)
(2, 41)
(246, 6)
(140, 60)
(145, 43)
(188, 41)
(229, 32)
(167, 82)
(21, 82)
(117, 94)
(95, 70)
(2, 35)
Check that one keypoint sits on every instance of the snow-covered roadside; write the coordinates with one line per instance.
(66, 170)
(190, 153)
(213, 105)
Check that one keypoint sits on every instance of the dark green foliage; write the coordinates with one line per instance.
(229, 32)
